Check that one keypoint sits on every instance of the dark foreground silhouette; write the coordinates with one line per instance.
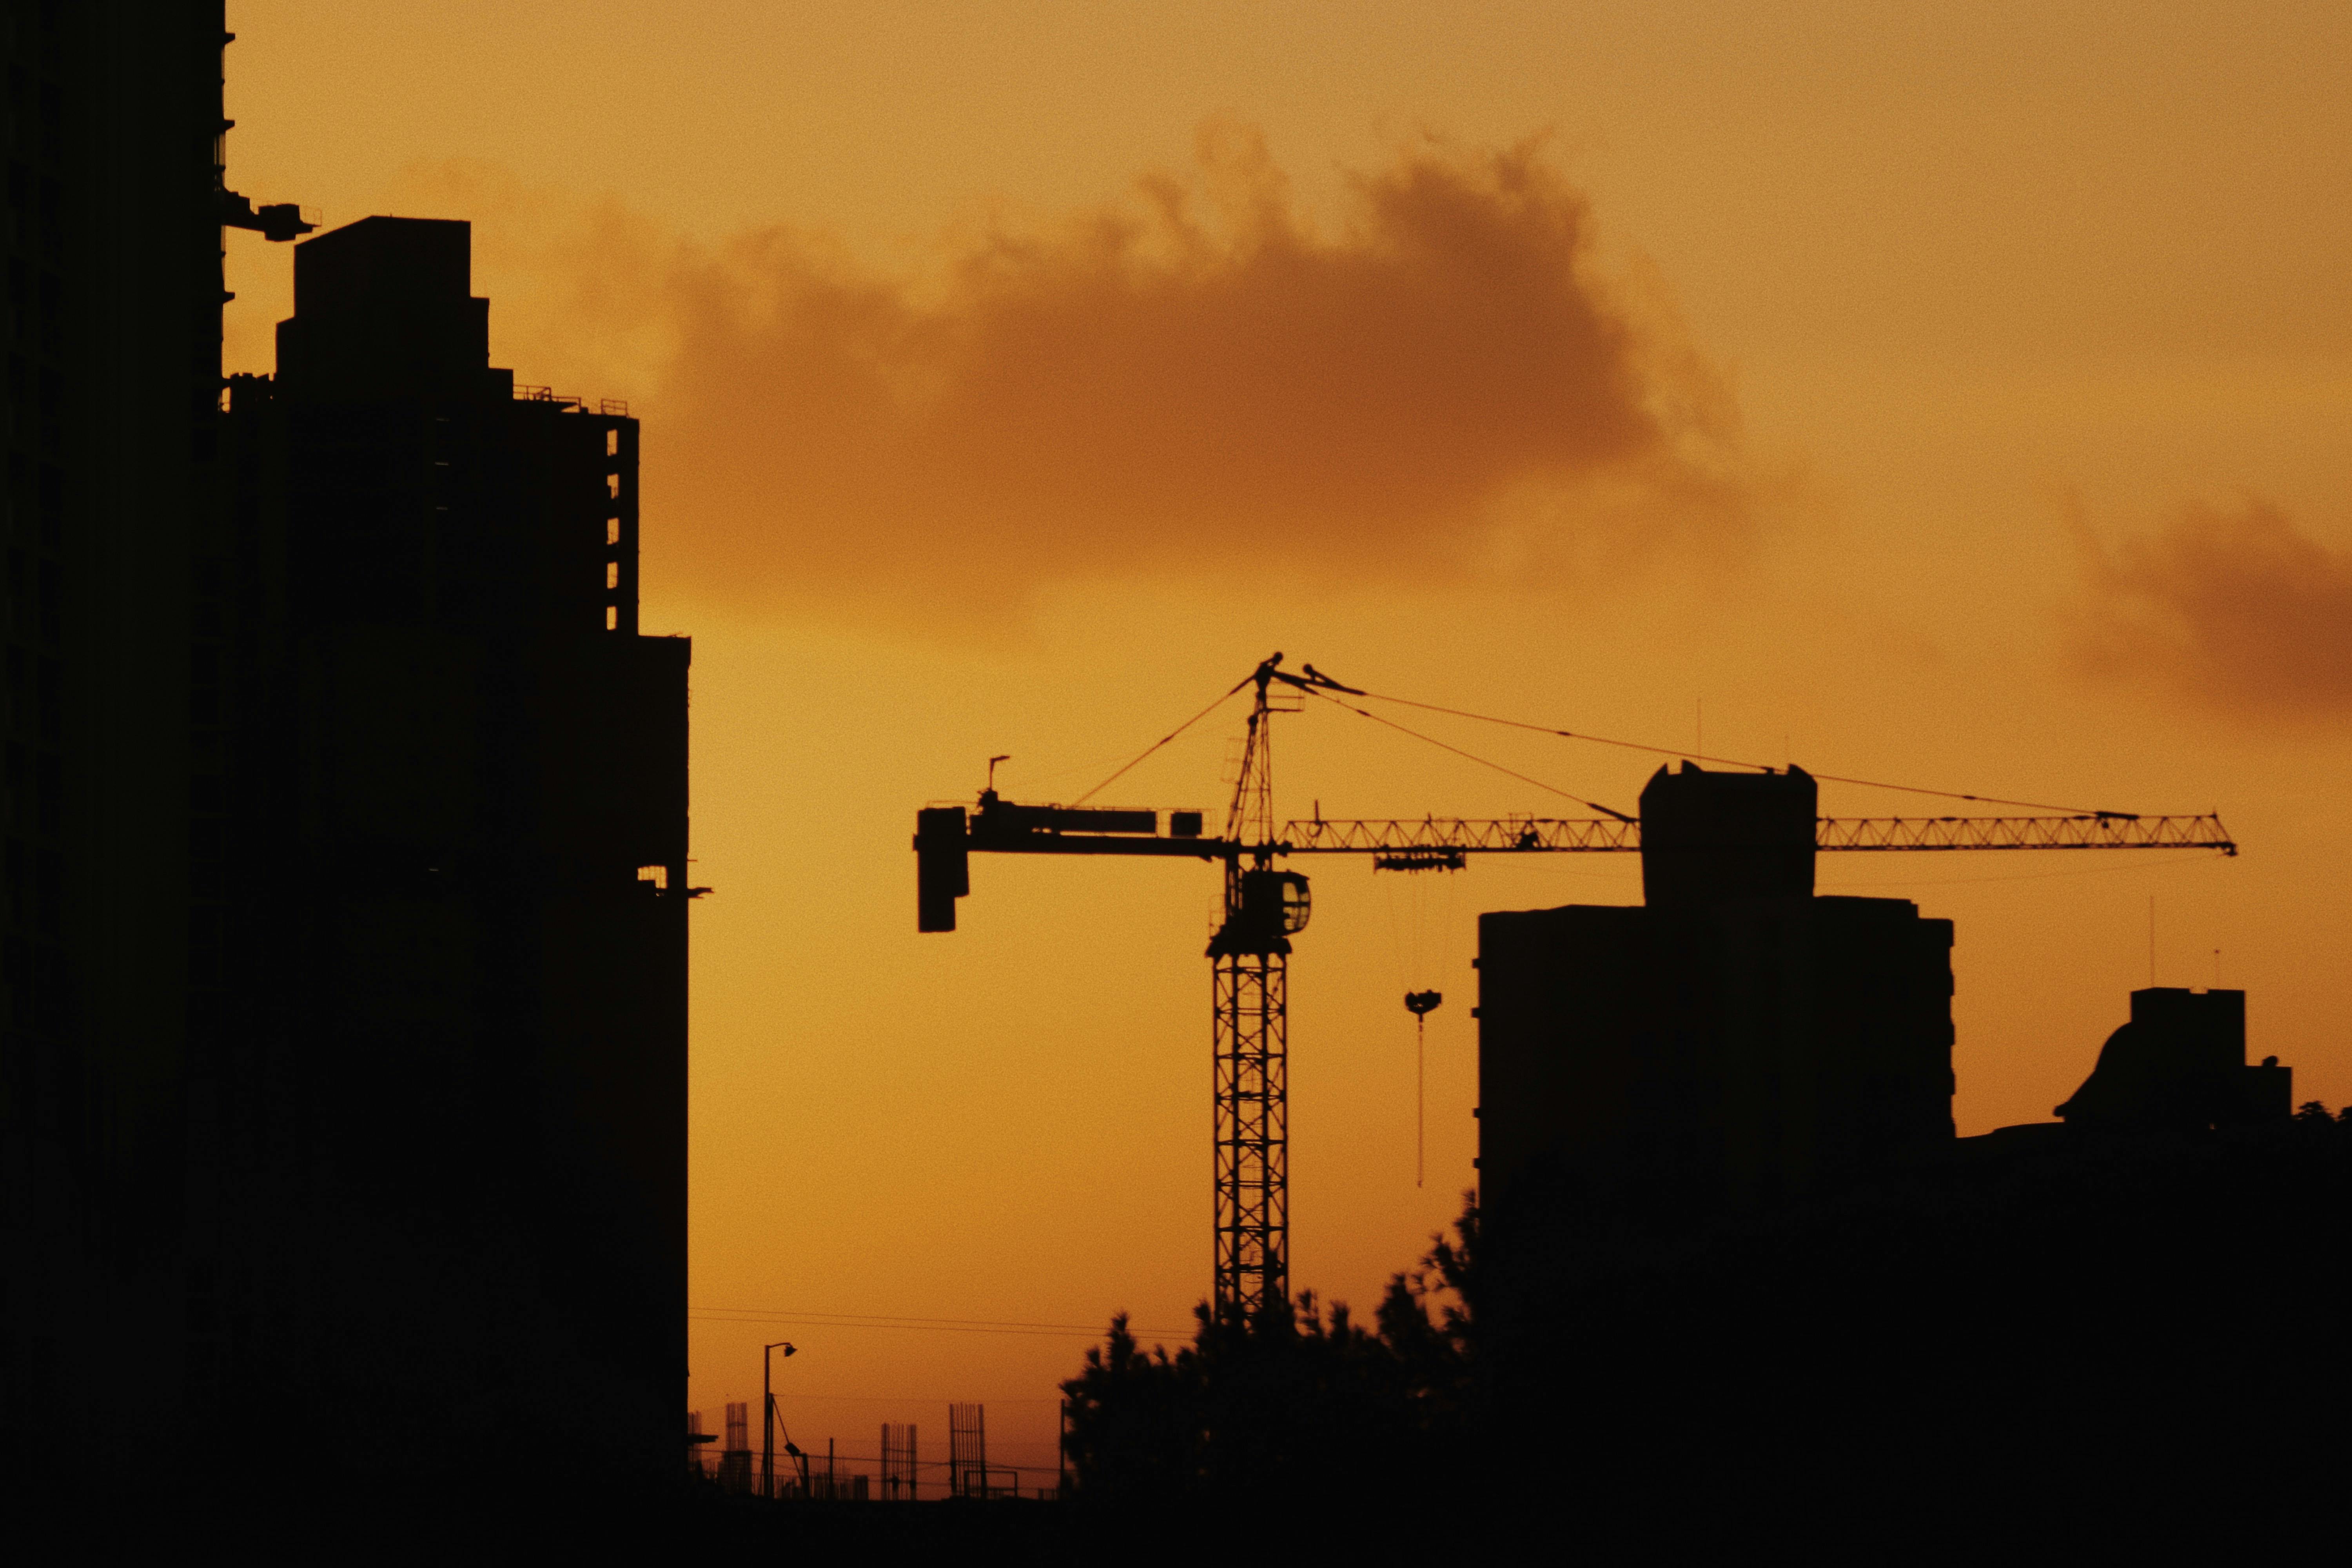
(2072, 1339)
(2103, 1334)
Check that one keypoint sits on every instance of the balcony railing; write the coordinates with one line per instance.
(617, 408)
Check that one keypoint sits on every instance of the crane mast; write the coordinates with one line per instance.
(1265, 906)
(1249, 1032)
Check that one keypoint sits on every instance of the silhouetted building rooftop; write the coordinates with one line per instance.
(1733, 1040)
(384, 308)
(1709, 837)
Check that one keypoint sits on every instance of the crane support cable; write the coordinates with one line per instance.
(1155, 745)
(1470, 756)
(1733, 761)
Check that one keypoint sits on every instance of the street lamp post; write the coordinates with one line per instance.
(768, 1418)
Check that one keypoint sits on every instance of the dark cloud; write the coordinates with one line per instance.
(1201, 382)
(2236, 609)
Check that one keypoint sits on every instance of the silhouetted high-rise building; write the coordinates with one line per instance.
(343, 975)
(115, 207)
(1732, 1040)
(462, 969)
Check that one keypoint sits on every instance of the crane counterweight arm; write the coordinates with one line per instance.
(946, 837)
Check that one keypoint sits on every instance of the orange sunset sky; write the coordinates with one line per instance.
(1950, 393)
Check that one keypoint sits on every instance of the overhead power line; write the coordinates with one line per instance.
(940, 1325)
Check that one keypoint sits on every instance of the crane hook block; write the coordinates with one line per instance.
(942, 865)
(1420, 1004)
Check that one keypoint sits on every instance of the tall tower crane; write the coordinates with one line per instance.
(1265, 906)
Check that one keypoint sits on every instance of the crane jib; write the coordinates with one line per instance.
(1557, 836)
(946, 836)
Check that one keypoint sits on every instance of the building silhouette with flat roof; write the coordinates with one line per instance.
(1731, 1041)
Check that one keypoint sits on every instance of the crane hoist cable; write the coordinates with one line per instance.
(1420, 1004)
(1411, 937)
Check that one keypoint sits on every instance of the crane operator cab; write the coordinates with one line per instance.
(1271, 906)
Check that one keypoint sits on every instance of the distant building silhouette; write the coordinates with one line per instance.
(345, 812)
(2177, 1067)
(2180, 1063)
(1732, 1040)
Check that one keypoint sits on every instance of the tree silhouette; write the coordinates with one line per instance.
(1297, 1400)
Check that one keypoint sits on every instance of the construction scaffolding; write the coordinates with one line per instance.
(735, 1461)
(899, 1464)
(967, 1450)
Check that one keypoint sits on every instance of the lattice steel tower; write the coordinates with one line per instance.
(1250, 978)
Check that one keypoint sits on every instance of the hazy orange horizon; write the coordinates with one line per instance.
(1955, 396)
